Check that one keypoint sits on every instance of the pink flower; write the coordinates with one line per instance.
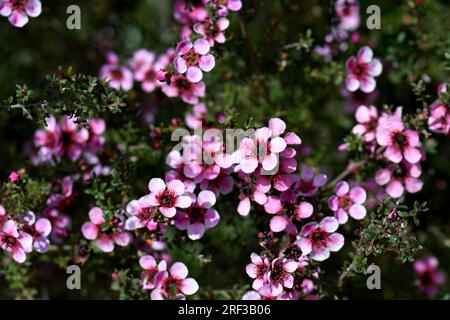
(148, 70)
(193, 58)
(348, 202)
(40, 230)
(261, 149)
(73, 138)
(430, 277)
(105, 233)
(400, 143)
(168, 197)
(15, 242)
(18, 11)
(399, 177)
(199, 217)
(174, 284)
(348, 13)
(228, 5)
(148, 277)
(212, 30)
(367, 118)
(308, 184)
(197, 117)
(318, 239)
(141, 214)
(119, 77)
(280, 275)
(96, 139)
(286, 209)
(14, 177)
(439, 118)
(187, 12)
(361, 71)
(258, 270)
(180, 86)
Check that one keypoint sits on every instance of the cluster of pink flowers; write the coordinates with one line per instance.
(106, 230)
(430, 278)
(164, 282)
(439, 117)
(19, 236)
(69, 139)
(290, 276)
(347, 12)
(18, 11)
(400, 147)
(179, 71)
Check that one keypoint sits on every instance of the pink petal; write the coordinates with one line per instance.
(255, 258)
(362, 114)
(383, 176)
(18, 18)
(189, 286)
(105, 244)
(368, 84)
(412, 155)
(335, 242)
(43, 226)
(147, 262)
(277, 126)
(394, 154)
(413, 185)
(201, 46)
(273, 205)
(342, 188)
(212, 218)
(168, 212)
(277, 144)
(292, 138)
(207, 62)
(244, 207)
(278, 223)
(195, 231)
(375, 68)
(320, 254)
(177, 186)
(290, 266)
(329, 224)
(305, 210)
(252, 271)
(365, 55)
(19, 255)
(357, 211)
(183, 202)
(96, 216)
(194, 74)
(395, 189)
(341, 216)
(156, 185)
(352, 83)
(179, 270)
(206, 199)
(308, 229)
(33, 8)
(358, 195)
(89, 230)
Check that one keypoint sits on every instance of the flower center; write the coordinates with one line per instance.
(400, 140)
(167, 199)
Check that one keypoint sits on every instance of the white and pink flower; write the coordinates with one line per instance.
(361, 71)
(400, 143)
(168, 197)
(16, 242)
(348, 202)
(193, 59)
(318, 239)
(105, 233)
(199, 217)
(174, 283)
(18, 11)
